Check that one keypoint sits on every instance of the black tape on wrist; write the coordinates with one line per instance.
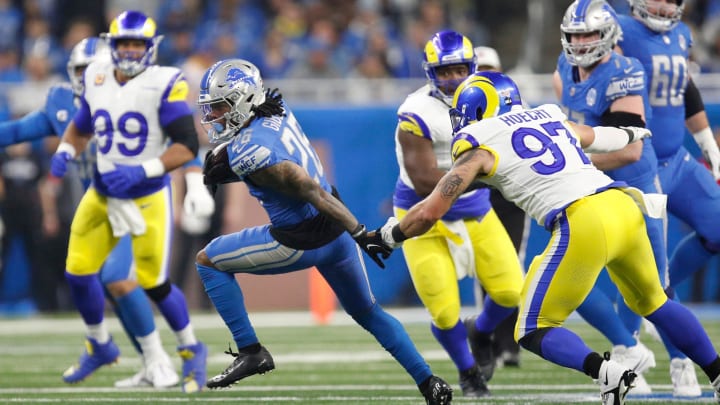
(397, 234)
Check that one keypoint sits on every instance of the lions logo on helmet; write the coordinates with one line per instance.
(587, 17)
(483, 95)
(133, 25)
(657, 15)
(83, 53)
(447, 48)
(234, 84)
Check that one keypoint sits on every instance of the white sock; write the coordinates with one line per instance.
(99, 332)
(186, 336)
(152, 347)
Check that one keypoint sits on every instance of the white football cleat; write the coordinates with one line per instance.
(639, 359)
(136, 381)
(684, 380)
(615, 381)
(161, 374)
(716, 389)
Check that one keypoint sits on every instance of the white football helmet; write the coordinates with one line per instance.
(83, 53)
(235, 83)
(663, 17)
(585, 17)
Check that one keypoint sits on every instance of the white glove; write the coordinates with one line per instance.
(708, 145)
(386, 233)
(198, 201)
(637, 133)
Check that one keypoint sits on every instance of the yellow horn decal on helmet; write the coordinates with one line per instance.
(468, 49)
(486, 86)
(431, 53)
(149, 28)
(114, 27)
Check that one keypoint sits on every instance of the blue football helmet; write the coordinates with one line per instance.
(234, 85)
(483, 95)
(657, 15)
(447, 48)
(133, 25)
(83, 53)
(586, 17)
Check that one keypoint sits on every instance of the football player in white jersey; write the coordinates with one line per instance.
(133, 108)
(534, 157)
(469, 240)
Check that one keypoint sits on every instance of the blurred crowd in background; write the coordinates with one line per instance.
(286, 39)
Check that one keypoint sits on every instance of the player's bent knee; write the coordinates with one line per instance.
(447, 317)
(121, 288)
(532, 341)
(159, 293)
(506, 298)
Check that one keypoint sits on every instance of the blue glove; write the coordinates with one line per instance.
(58, 163)
(123, 177)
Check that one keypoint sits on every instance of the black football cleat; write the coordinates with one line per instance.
(473, 384)
(437, 392)
(243, 366)
(481, 345)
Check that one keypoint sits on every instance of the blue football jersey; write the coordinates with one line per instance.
(265, 143)
(587, 101)
(664, 56)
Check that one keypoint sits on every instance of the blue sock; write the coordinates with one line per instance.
(174, 309)
(226, 295)
(136, 315)
(599, 311)
(630, 319)
(491, 316)
(689, 256)
(87, 294)
(454, 341)
(563, 347)
(392, 336)
(121, 318)
(684, 331)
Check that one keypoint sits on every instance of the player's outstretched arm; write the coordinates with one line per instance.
(292, 180)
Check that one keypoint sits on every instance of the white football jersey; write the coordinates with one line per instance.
(126, 117)
(425, 116)
(539, 163)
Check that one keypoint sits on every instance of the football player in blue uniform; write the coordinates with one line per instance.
(655, 36)
(265, 147)
(534, 157)
(597, 86)
(131, 106)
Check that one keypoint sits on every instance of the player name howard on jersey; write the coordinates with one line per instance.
(525, 116)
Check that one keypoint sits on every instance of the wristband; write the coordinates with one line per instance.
(66, 147)
(194, 180)
(398, 235)
(153, 168)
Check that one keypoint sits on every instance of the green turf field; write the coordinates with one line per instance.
(336, 364)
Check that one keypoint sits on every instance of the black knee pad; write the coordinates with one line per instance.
(533, 340)
(159, 293)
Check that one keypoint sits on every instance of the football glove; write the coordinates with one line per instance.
(124, 177)
(58, 163)
(709, 147)
(217, 169)
(386, 231)
(636, 133)
(372, 243)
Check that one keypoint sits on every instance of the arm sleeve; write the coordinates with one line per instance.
(33, 126)
(622, 119)
(693, 101)
(182, 131)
